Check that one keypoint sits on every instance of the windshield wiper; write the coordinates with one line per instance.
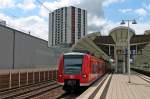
(73, 64)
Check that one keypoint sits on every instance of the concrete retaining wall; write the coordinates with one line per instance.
(21, 50)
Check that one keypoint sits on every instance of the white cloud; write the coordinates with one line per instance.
(96, 23)
(147, 6)
(141, 12)
(60, 3)
(109, 26)
(35, 24)
(106, 3)
(27, 5)
(38, 26)
(55, 5)
(6, 3)
(125, 10)
(43, 12)
(95, 14)
(141, 27)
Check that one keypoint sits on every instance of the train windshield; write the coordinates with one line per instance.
(72, 64)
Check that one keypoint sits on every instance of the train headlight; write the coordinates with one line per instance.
(84, 75)
(60, 75)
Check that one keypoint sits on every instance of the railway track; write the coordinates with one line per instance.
(29, 91)
(92, 90)
(21, 87)
(50, 90)
(72, 95)
(39, 91)
(144, 77)
(68, 96)
(52, 94)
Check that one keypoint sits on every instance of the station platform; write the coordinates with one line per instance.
(119, 87)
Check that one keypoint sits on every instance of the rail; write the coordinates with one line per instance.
(145, 71)
(142, 76)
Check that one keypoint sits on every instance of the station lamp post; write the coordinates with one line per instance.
(128, 44)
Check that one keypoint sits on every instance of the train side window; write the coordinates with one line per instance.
(94, 68)
(100, 67)
(91, 63)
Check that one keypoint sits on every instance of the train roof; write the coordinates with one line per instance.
(74, 53)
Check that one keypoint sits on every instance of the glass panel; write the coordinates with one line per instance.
(72, 64)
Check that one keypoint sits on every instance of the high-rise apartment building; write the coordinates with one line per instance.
(67, 25)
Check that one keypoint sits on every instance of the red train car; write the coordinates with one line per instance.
(79, 69)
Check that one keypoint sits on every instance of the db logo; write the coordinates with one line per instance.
(71, 76)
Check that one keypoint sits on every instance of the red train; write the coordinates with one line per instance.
(79, 69)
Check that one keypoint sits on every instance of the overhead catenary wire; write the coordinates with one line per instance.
(43, 5)
(14, 16)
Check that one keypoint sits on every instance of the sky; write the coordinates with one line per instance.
(103, 15)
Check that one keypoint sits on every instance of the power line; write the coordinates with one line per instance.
(43, 5)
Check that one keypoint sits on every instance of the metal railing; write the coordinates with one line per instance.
(22, 77)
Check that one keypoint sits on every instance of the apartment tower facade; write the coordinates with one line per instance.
(67, 25)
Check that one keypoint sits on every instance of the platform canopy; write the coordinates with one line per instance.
(121, 33)
(87, 43)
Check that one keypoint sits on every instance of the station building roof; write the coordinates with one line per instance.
(96, 42)
(140, 39)
(104, 40)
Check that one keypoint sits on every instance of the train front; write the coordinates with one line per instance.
(70, 73)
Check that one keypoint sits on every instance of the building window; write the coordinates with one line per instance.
(79, 23)
(65, 24)
(84, 16)
(73, 25)
(52, 27)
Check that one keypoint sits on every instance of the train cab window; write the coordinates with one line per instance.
(73, 64)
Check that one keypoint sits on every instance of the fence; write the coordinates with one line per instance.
(17, 78)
